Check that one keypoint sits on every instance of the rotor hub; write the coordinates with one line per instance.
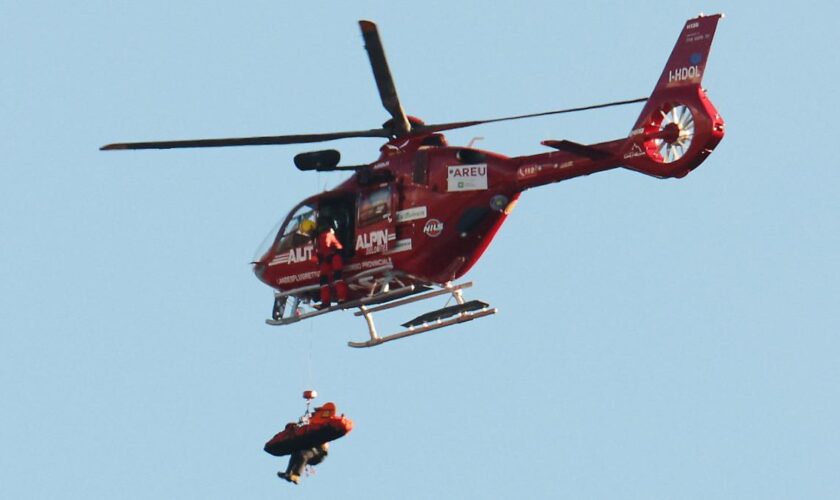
(671, 131)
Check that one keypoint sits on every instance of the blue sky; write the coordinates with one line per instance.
(656, 339)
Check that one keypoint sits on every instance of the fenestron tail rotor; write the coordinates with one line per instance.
(670, 131)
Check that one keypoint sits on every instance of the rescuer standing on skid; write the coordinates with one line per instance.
(330, 262)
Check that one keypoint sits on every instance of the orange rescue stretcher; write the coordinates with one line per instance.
(324, 425)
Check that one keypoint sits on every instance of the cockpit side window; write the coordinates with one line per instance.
(298, 230)
(374, 206)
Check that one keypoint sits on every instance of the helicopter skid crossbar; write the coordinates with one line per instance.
(279, 314)
(460, 313)
(356, 277)
(342, 305)
(409, 300)
(381, 298)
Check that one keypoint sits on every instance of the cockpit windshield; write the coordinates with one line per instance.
(299, 229)
(296, 230)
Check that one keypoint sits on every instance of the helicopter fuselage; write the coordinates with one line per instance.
(429, 210)
(424, 212)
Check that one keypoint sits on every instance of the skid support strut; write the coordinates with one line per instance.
(460, 313)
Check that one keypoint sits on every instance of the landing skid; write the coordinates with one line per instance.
(288, 305)
(384, 297)
(462, 312)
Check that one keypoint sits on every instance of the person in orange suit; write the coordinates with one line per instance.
(309, 456)
(330, 262)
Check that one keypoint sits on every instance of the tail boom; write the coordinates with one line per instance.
(676, 131)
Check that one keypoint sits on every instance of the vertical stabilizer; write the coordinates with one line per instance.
(679, 126)
(687, 63)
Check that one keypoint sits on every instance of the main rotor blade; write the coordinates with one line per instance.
(453, 125)
(307, 138)
(248, 141)
(384, 81)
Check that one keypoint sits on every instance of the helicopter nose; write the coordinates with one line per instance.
(259, 269)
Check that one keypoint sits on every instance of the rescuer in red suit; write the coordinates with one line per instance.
(330, 262)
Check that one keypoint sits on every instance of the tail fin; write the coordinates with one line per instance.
(678, 127)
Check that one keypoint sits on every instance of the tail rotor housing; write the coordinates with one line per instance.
(678, 127)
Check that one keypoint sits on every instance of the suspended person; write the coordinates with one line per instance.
(330, 262)
(306, 442)
(299, 459)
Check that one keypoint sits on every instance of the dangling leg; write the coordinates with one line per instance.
(296, 463)
(338, 281)
(295, 472)
(325, 283)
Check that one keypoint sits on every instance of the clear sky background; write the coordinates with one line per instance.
(656, 339)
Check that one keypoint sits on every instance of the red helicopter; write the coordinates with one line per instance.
(421, 215)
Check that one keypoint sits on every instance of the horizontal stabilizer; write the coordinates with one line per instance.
(577, 149)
